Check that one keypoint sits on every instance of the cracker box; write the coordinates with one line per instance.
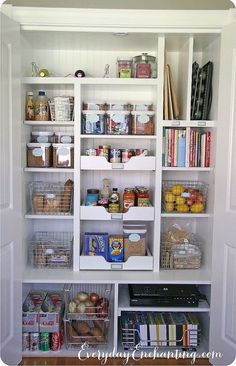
(96, 244)
(116, 248)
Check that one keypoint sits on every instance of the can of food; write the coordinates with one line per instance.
(127, 154)
(44, 342)
(25, 341)
(55, 341)
(90, 152)
(115, 156)
(34, 341)
(141, 152)
(103, 150)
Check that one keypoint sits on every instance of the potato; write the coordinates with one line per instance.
(97, 333)
(100, 324)
(82, 327)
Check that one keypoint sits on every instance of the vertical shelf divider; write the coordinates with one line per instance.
(189, 87)
(77, 149)
(158, 178)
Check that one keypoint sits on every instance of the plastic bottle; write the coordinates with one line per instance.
(29, 107)
(41, 107)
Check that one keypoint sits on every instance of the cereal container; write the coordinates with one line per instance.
(64, 137)
(142, 123)
(93, 122)
(63, 155)
(41, 136)
(38, 155)
(118, 122)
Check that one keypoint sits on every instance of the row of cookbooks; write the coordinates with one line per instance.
(189, 147)
(161, 329)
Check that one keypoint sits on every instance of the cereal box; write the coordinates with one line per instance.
(116, 248)
(96, 244)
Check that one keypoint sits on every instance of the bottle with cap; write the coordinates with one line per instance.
(29, 107)
(41, 107)
(114, 201)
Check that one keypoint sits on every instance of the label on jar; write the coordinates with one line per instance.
(143, 118)
(42, 139)
(66, 139)
(63, 151)
(114, 207)
(128, 203)
(143, 202)
(37, 152)
(134, 237)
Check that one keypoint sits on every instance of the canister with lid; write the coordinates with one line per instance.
(124, 67)
(118, 122)
(64, 137)
(144, 66)
(39, 155)
(142, 123)
(41, 136)
(93, 122)
(63, 155)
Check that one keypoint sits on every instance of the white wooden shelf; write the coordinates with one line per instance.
(49, 80)
(189, 123)
(134, 263)
(185, 276)
(124, 304)
(99, 213)
(48, 217)
(49, 170)
(121, 137)
(118, 81)
(135, 163)
(49, 123)
(89, 81)
(185, 215)
(185, 169)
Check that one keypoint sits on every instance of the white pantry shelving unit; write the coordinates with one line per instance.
(186, 36)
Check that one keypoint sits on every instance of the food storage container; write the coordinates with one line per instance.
(91, 198)
(63, 137)
(93, 122)
(142, 123)
(134, 240)
(118, 123)
(63, 155)
(94, 106)
(124, 67)
(118, 106)
(144, 66)
(39, 155)
(141, 107)
(41, 136)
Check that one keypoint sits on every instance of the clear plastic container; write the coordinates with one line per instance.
(119, 106)
(93, 122)
(39, 155)
(63, 137)
(63, 155)
(41, 107)
(94, 106)
(141, 107)
(142, 123)
(118, 123)
(42, 136)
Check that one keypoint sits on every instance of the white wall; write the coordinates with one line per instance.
(127, 4)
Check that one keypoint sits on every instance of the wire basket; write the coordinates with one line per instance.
(51, 250)
(92, 332)
(184, 196)
(61, 108)
(51, 198)
(182, 255)
(88, 302)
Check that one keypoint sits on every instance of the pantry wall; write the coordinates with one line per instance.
(64, 51)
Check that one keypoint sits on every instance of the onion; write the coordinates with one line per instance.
(82, 296)
(93, 297)
(81, 308)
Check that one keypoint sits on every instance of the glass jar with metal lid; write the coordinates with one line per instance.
(144, 66)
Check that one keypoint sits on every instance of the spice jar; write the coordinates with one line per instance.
(143, 197)
(145, 66)
(128, 199)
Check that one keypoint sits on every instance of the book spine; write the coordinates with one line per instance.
(176, 147)
(199, 150)
(181, 148)
(187, 147)
(191, 152)
(166, 146)
(172, 152)
(196, 147)
(208, 150)
(203, 150)
(169, 147)
(163, 146)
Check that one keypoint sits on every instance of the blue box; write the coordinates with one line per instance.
(96, 244)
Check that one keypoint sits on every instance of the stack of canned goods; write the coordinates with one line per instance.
(115, 155)
(42, 341)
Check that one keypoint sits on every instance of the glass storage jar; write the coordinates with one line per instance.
(144, 66)
(124, 67)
